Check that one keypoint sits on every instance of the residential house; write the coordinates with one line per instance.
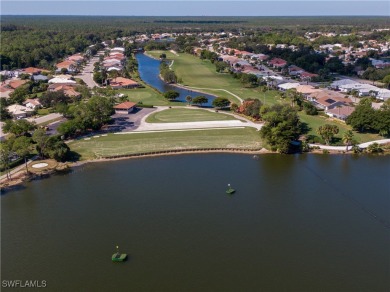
(120, 82)
(69, 65)
(77, 58)
(61, 80)
(287, 86)
(277, 63)
(326, 99)
(34, 71)
(306, 76)
(19, 111)
(295, 70)
(340, 111)
(336, 84)
(13, 84)
(125, 107)
(69, 89)
(39, 77)
(32, 103)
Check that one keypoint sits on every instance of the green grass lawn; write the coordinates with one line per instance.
(315, 122)
(112, 144)
(201, 73)
(147, 95)
(43, 111)
(177, 115)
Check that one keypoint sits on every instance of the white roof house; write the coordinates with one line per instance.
(61, 80)
(19, 111)
(288, 85)
(383, 94)
(342, 82)
(364, 89)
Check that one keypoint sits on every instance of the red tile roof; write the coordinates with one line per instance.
(33, 70)
(122, 82)
(16, 83)
(125, 105)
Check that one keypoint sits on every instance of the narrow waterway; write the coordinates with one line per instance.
(149, 70)
(296, 223)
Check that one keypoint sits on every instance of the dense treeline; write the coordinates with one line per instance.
(42, 40)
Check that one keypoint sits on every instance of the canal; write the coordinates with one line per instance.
(149, 70)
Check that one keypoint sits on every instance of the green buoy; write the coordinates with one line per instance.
(230, 190)
(118, 257)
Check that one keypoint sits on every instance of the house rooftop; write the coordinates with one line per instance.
(125, 105)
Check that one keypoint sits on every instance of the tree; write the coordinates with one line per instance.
(171, 94)
(68, 128)
(234, 107)
(221, 102)
(40, 138)
(5, 153)
(189, 99)
(282, 126)
(201, 99)
(22, 147)
(19, 95)
(52, 98)
(348, 138)
(327, 132)
(310, 109)
(19, 127)
(386, 81)
(4, 113)
(362, 118)
(163, 56)
(56, 148)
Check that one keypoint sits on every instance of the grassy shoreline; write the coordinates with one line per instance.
(112, 144)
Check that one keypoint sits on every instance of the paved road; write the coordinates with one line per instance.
(241, 122)
(87, 74)
(45, 119)
(53, 127)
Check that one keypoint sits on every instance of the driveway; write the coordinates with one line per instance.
(45, 119)
(130, 122)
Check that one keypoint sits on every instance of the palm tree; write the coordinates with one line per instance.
(348, 138)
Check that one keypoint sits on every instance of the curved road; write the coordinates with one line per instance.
(343, 148)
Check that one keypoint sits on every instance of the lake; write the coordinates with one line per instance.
(296, 223)
(149, 70)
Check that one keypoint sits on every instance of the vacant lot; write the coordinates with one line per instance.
(114, 144)
(177, 115)
(146, 95)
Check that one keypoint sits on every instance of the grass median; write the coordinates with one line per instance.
(114, 144)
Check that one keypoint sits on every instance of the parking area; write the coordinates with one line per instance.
(128, 122)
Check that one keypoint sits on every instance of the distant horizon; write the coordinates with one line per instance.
(189, 16)
(196, 8)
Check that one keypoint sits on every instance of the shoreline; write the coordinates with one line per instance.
(19, 178)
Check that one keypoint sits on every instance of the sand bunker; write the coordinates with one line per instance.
(40, 165)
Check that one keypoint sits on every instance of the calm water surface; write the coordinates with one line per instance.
(296, 223)
(149, 70)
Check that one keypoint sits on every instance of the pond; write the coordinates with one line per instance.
(295, 223)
